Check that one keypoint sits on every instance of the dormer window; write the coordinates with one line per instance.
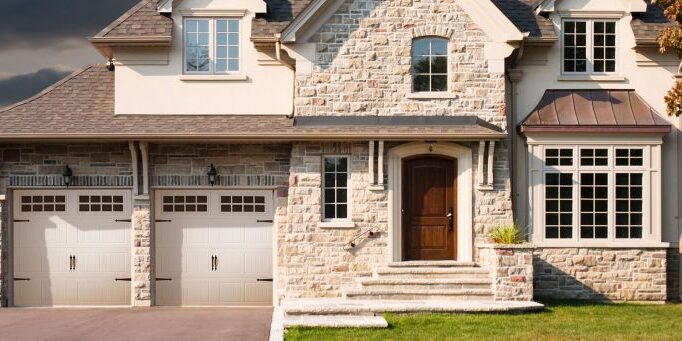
(430, 64)
(589, 46)
(211, 45)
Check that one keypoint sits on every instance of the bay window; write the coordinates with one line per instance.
(591, 194)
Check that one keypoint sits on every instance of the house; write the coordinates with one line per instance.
(247, 152)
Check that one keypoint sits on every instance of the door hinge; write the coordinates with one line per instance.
(21, 220)
(21, 279)
(123, 220)
(124, 279)
(265, 221)
(264, 280)
(163, 279)
(162, 220)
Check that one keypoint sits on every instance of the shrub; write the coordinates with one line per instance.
(506, 234)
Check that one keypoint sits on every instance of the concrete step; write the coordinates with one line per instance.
(432, 264)
(335, 321)
(338, 306)
(419, 294)
(424, 283)
(431, 272)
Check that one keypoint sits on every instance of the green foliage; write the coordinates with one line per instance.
(506, 234)
(671, 39)
(573, 320)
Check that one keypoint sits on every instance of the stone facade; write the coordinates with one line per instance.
(619, 274)
(511, 268)
(363, 63)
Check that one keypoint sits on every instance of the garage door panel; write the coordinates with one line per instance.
(43, 247)
(242, 246)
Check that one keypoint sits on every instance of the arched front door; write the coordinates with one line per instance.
(429, 208)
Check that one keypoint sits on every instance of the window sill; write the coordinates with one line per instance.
(591, 78)
(219, 78)
(605, 245)
(431, 95)
(336, 225)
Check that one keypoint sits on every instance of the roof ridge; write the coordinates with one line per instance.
(129, 13)
(50, 88)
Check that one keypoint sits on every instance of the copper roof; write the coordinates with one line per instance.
(594, 111)
(81, 106)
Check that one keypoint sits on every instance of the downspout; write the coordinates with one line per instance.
(145, 167)
(514, 77)
(133, 156)
(278, 55)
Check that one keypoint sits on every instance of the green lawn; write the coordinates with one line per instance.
(559, 321)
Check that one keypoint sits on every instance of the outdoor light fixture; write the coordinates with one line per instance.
(212, 175)
(67, 175)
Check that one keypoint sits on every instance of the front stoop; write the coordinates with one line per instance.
(405, 287)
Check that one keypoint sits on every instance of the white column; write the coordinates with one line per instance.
(481, 153)
(380, 164)
(491, 161)
(371, 162)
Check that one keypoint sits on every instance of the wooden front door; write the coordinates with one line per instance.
(429, 208)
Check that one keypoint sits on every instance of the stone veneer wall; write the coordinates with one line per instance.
(624, 274)
(511, 269)
(363, 63)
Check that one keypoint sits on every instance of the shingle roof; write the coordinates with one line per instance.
(647, 26)
(143, 20)
(279, 14)
(82, 106)
(522, 14)
(596, 111)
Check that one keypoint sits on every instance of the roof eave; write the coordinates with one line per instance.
(540, 41)
(621, 129)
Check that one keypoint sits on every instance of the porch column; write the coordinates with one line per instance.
(4, 216)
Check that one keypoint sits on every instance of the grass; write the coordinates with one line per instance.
(559, 321)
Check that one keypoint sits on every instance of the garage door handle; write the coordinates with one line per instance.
(21, 220)
(22, 279)
(123, 220)
(162, 220)
(163, 279)
(265, 221)
(124, 279)
(264, 280)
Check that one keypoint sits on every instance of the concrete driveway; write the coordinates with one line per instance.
(239, 324)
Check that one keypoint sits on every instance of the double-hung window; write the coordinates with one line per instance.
(211, 46)
(589, 46)
(335, 188)
(430, 64)
(596, 193)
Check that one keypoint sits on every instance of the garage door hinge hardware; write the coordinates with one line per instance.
(164, 279)
(123, 220)
(21, 220)
(22, 279)
(162, 220)
(264, 280)
(124, 279)
(265, 221)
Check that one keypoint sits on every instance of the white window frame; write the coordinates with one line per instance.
(651, 192)
(212, 46)
(348, 217)
(448, 72)
(590, 46)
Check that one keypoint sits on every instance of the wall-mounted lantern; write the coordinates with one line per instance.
(212, 175)
(67, 175)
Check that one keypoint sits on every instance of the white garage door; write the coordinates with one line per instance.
(213, 247)
(69, 249)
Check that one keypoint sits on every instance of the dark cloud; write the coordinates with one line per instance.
(32, 23)
(19, 87)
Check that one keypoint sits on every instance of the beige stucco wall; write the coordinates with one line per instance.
(541, 70)
(149, 81)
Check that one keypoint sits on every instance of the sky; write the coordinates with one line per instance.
(42, 41)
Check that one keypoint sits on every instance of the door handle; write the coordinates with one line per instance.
(162, 221)
(21, 220)
(264, 280)
(163, 279)
(214, 263)
(264, 221)
(123, 220)
(123, 279)
(451, 216)
(71, 265)
(22, 279)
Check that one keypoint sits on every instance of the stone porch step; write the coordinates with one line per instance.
(419, 294)
(432, 272)
(439, 263)
(335, 321)
(337, 306)
(424, 283)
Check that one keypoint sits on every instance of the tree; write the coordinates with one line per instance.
(671, 39)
